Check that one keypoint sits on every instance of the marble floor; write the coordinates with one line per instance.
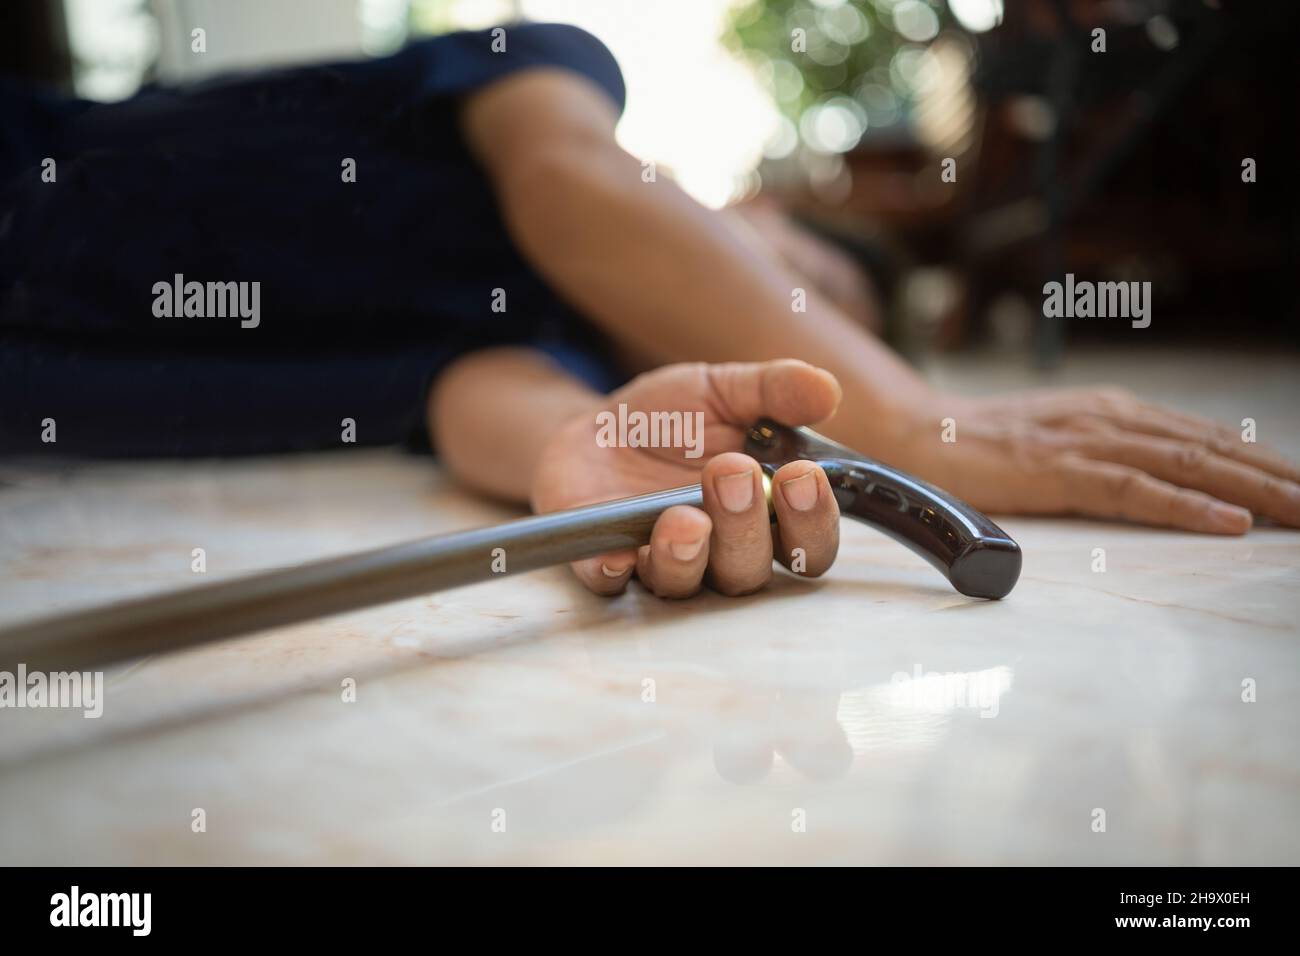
(874, 716)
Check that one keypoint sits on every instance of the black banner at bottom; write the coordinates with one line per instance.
(335, 905)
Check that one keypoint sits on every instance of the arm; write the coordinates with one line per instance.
(671, 280)
(661, 274)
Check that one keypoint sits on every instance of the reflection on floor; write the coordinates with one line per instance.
(872, 717)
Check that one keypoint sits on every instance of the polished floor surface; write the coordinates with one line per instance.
(874, 716)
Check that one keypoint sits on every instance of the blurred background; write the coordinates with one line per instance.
(1118, 165)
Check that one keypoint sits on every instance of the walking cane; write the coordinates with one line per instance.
(976, 556)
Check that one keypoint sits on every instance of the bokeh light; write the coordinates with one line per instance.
(978, 16)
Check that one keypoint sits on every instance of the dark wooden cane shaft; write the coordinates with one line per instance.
(179, 619)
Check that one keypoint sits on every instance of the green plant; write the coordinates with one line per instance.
(854, 62)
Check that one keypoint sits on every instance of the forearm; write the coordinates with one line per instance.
(673, 280)
(491, 412)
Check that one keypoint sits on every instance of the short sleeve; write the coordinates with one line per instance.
(459, 63)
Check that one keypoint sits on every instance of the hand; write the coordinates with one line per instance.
(1103, 453)
(731, 543)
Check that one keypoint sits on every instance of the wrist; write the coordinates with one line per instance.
(886, 426)
(493, 413)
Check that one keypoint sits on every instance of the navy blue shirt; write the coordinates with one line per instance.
(367, 288)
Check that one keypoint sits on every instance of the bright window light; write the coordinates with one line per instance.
(692, 107)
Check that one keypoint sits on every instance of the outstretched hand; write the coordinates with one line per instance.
(1100, 453)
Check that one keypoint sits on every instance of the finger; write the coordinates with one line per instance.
(1198, 424)
(1193, 465)
(790, 391)
(740, 548)
(606, 574)
(1221, 439)
(672, 565)
(807, 535)
(1102, 489)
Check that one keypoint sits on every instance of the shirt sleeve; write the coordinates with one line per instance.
(458, 63)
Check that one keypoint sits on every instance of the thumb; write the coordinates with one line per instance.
(788, 390)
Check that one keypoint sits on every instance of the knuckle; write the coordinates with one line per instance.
(1192, 457)
(1122, 486)
(1222, 444)
(1186, 506)
(745, 537)
(1084, 423)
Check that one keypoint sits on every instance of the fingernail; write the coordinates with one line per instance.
(800, 493)
(1230, 518)
(611, 573)
(736, 492)
(685, 550)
